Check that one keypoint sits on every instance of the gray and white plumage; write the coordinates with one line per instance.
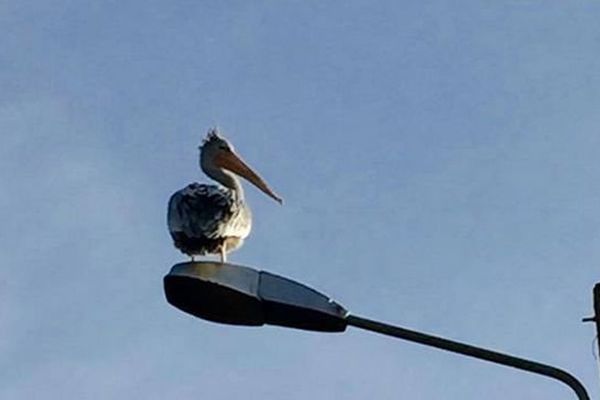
(201, 216)
(212, 219)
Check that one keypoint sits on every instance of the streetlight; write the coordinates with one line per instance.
(233, 294)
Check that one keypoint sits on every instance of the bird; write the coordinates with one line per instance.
(214, 219)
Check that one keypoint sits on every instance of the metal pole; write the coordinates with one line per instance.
(471, 351)
(597, 309)
(596, 317)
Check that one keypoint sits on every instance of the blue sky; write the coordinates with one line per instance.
(439, 164)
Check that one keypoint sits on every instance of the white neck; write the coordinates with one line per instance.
(227, 179)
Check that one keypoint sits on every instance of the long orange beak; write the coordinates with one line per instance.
(231, 162)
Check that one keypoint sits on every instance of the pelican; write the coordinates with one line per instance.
(214, 219)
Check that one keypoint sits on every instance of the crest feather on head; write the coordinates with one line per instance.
(213, 134)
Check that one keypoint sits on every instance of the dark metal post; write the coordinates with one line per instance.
(597, 311)
(471, 351)
(596, 317)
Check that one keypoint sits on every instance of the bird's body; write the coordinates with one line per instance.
(204, 218)
(210, 219)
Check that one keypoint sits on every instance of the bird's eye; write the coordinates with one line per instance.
(224, 147)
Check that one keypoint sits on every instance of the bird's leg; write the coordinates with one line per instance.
(193, 257)
(223, 254)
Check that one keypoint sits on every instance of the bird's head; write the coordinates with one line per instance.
(217, 153)
(213, 145)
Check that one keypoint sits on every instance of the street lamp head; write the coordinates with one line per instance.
(239, 295)
(233, 294)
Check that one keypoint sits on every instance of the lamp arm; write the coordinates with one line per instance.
(471, 351)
